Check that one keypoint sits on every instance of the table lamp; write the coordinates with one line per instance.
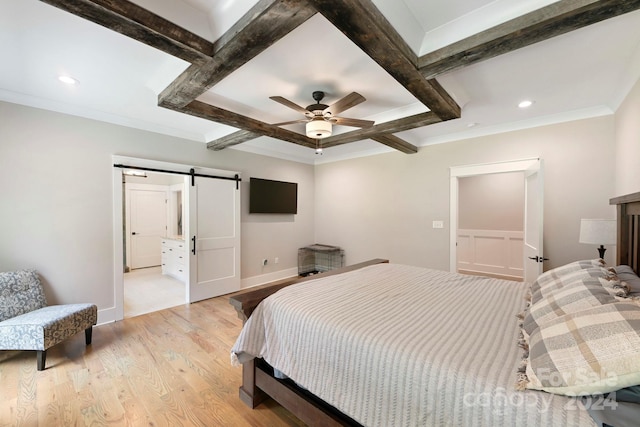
(598, 232)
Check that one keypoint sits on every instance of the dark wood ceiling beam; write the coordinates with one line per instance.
(229, 118)
(396, 143)
(264, 24)
(361, 22)
(139, 24)
(241, 136)
(267, 22)
(392, 126)
(365, 26)
(550, 21)
(232, 139)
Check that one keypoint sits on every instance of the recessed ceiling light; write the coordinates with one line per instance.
(67, 80)
(525, 104)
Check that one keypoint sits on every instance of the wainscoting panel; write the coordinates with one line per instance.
(492, 252)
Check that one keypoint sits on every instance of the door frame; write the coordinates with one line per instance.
(457, 172)
(118, 214)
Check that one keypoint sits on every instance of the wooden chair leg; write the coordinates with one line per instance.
(42, 357)
(88, 334)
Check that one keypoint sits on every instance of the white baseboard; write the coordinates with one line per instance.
(106, 315)
(250, 282)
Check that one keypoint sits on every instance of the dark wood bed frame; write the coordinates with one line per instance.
(258, 382)
(628, 223)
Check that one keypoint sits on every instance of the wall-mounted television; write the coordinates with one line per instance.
(268, 196)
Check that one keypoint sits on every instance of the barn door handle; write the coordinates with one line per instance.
(193, 239)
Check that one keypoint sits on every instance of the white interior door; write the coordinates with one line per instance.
(214, 233)
(148, 225)
(533, 222)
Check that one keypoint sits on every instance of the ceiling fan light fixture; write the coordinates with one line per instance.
(318, 128)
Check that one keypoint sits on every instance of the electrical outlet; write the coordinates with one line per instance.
(264, 262)
(276, 260)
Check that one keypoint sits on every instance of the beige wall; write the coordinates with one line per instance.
(56, 195)
(627, 137)
(383, 206)
(491, 202)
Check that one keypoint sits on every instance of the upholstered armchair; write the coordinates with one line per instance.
(27, 323)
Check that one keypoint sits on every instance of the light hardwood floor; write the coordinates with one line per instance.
(168, 368)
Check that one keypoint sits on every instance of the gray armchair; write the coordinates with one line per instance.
(27, 323)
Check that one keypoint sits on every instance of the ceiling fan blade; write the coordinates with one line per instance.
(352, 122)
(345, 103)
(291, 122)
(289, 104)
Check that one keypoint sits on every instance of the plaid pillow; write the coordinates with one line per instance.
(569, 268)
(575, 296)
(543, 287)
(552, 280)
(593, 351)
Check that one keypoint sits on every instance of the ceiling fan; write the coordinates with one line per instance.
(319, 118)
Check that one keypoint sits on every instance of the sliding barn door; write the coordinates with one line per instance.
(533, 224)
(214, 238)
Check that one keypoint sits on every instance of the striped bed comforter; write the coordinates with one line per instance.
(395, 345)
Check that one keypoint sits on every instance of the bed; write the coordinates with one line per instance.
(431, 347)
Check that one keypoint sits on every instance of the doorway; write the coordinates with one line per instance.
(210, 225)
(153, 213)
(490, 225)
(532, 201)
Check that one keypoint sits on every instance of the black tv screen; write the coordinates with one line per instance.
(268, 196)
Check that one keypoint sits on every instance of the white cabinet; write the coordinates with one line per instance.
(174, 258)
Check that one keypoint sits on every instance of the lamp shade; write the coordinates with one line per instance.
(318, 128)
(598, 231)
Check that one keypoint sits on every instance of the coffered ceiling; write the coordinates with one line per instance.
(431, 71)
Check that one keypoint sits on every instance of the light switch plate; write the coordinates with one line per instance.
(438, 224)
